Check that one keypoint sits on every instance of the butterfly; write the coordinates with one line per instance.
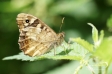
(36, 38)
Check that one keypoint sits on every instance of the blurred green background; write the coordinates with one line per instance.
(77, 14)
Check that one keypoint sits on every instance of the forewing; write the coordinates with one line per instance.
(35, 36)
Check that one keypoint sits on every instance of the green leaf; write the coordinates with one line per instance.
(104, 51)
(64, 51)
(83, 43)
(23, 57)
(20, 56)
(94, 33)
(101, 36)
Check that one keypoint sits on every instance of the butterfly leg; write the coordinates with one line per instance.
(65, 48)
(54, 50)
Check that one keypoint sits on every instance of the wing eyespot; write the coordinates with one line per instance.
(27, 21)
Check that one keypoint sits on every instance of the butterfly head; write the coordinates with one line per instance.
(61, 35)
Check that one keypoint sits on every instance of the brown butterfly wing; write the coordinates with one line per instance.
(36, 37)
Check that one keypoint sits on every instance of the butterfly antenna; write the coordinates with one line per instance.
(62, 23)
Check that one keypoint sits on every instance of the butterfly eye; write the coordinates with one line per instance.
(27, 21)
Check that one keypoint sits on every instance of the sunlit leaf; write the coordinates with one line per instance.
(83, 43)
(104, 51)
(65, 51)
(94, 33)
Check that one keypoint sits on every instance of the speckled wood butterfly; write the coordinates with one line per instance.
(36, 38)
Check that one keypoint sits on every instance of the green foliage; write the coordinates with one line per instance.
(109, 23)
(83, 43)
(94, 33)
(65, 51)
(104, 50)
(83, 47)
(97, 40)
(78, 50)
